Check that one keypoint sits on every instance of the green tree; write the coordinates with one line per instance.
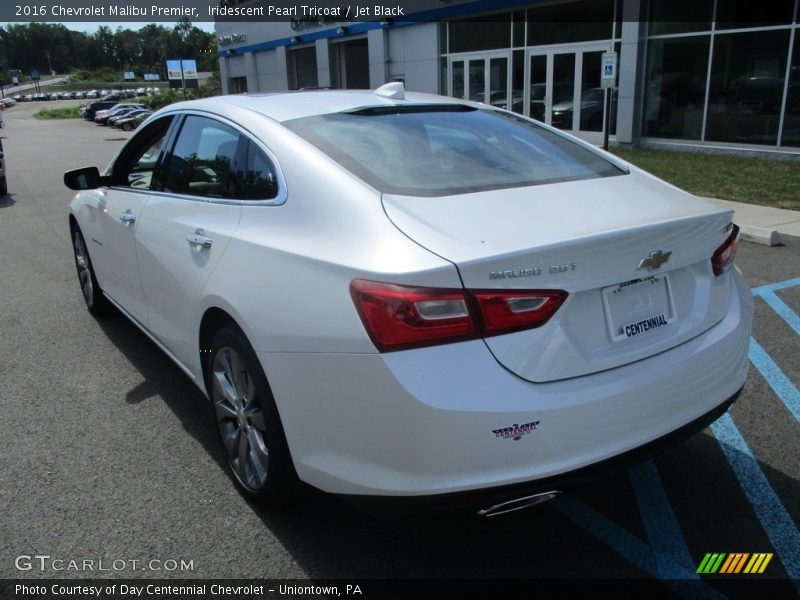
(28, 46)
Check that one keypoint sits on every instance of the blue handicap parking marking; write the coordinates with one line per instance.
(786, 391)
(781, 530)
(767, 293)
(665, 555)
(673, 560)
(775, 520)
(783, 387)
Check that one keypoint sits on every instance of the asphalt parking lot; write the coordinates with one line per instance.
(111, 453)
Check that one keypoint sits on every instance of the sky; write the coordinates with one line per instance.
(91, 27)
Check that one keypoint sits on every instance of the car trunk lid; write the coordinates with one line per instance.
(632, 252)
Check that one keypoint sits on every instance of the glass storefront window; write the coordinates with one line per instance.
(562, 113)
(473, 35)
(519, 28)
(735, 14)
(680, 16)
(518, 81)
(593, 97)
(477, 81)
(538, 106)
(791, 119)
(458, 79)
(746, 91)
(675, 87)
(498, 82)
(582, 21)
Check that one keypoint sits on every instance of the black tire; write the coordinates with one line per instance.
(3, 186)
(248, 422)
(96, 302)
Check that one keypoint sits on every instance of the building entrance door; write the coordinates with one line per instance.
(563, 89)
(481, 78)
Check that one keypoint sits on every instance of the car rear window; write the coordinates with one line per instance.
(442, 150)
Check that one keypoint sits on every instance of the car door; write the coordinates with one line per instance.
(186, 226)
(114, 220)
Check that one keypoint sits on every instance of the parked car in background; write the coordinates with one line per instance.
(101, 116)
(454, 304)
(133, 120)
(94, 107)
(113, 96)
(122, 114)
(496, 98)
(591, 115)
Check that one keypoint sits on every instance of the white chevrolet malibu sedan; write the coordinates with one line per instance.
(386, 294)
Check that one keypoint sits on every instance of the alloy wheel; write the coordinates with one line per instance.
(240, 418)
(84, 270)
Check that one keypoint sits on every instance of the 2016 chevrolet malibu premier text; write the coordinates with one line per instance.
(388, 294)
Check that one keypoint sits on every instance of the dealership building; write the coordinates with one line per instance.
(693, 74)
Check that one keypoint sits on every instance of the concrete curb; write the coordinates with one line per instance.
(762, 224)
(760, 235)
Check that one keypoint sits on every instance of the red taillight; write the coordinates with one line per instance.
(504, 312)
(724, 255)
(399, 317)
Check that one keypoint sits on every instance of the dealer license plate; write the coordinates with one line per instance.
(638, 308)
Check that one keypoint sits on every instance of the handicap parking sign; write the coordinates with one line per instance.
(608, 72)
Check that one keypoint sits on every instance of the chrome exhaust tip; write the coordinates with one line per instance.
(518, 504)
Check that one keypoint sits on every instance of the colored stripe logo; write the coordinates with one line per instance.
(734, 562)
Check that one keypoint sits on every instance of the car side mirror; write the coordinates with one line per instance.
(85, 178)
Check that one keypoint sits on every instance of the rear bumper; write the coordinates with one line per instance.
(438, 421)
(480, 499)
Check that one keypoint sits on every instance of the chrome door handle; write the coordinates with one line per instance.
(127, 217)
(198, 238)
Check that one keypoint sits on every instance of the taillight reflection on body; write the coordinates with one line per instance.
(399, 317)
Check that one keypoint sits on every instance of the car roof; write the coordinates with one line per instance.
(283, 106)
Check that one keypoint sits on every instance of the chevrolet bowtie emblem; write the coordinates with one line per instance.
(653, 261)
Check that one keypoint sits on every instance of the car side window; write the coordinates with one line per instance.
(260, 179)
(205, 160)
(137, 163)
